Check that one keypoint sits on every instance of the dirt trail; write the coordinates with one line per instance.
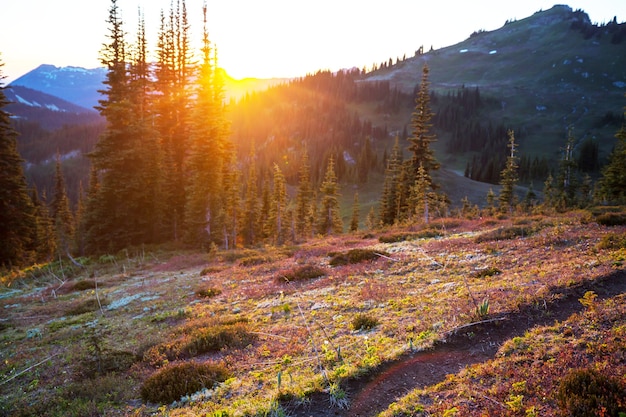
(372, 394)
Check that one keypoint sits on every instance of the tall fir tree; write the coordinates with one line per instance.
(612, 185)
(508, 177)
(354, 221)
(251, 225)
(61, 214)
(304, 198)
(18, 222)
(209, 151)
(277, 225)
(45, 239)
(421, 133)
(389, 196)
(329, 220)
(421, 197)
(173, 102)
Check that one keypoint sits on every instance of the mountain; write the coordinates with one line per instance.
(548, 72)
(48, 111)
(74, 84)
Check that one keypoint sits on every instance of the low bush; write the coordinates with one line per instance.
(612, 219)
(301, 273)
(215, 338)
(364, 322)
(84, 284)
(486, 272)
(86, 306)
(612, 241)
(587, 392)
(208, 292)
(175, 381)
(505, 233)
(255, 260)
(355, 256)
(402, 237)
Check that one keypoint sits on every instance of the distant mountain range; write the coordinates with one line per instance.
(50, 112)
(74, 84)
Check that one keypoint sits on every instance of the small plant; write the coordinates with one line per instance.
(338, 397)
(301, 273)
(482, 310)
(87, 306)
(587, 392)
(171, 383)
(364, 322)
(254, 260)
(505, 233)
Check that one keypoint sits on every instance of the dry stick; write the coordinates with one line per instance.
(98, 296)
(386, 257)
(29, 368)
(456, 329)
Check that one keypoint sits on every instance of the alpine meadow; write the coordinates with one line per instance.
(436, 235)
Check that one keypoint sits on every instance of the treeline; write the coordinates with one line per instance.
(582, 24)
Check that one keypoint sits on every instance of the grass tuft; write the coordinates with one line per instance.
(301, 273)
(363, 322)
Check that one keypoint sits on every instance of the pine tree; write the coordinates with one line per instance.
(329, 220)
(388, 205)
(61, 213)
(371, 222)
(277, 225)
(17, 213)
(303, 216)
(173, 98)
(231, 204)
(354, 221)
(567, 182)
(422, 137)
(612, 185)
(421, 197)
(508, 177)
(45, 240)
(251, 227)
(209, 151)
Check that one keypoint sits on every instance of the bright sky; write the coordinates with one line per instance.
(270, 38)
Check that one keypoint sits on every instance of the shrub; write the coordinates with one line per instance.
(86, 306)
(355, 256)
(170, 384)
(254, 260)
(486, 272)
(302, 273)
(208, 292)
(84, 284)
(612, 219)
(612, 241)
(215, 338)
(364, 322)
(586, 392)
(505, 233)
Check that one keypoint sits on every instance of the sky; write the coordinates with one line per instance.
(267, 38)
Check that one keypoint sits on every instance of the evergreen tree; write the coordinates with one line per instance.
(17, 213)
(388, 198)
(329, 220)
(173, 98)
(612, 185)
(422, 136)
(252, 224)
(304, 211)
(371, 222)
(354, 221)
(231, 204)
(508, 177)
(61, 213)
(209, 151)
(421, 197)
(278, 226)
(45, 240)
(567, 182)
